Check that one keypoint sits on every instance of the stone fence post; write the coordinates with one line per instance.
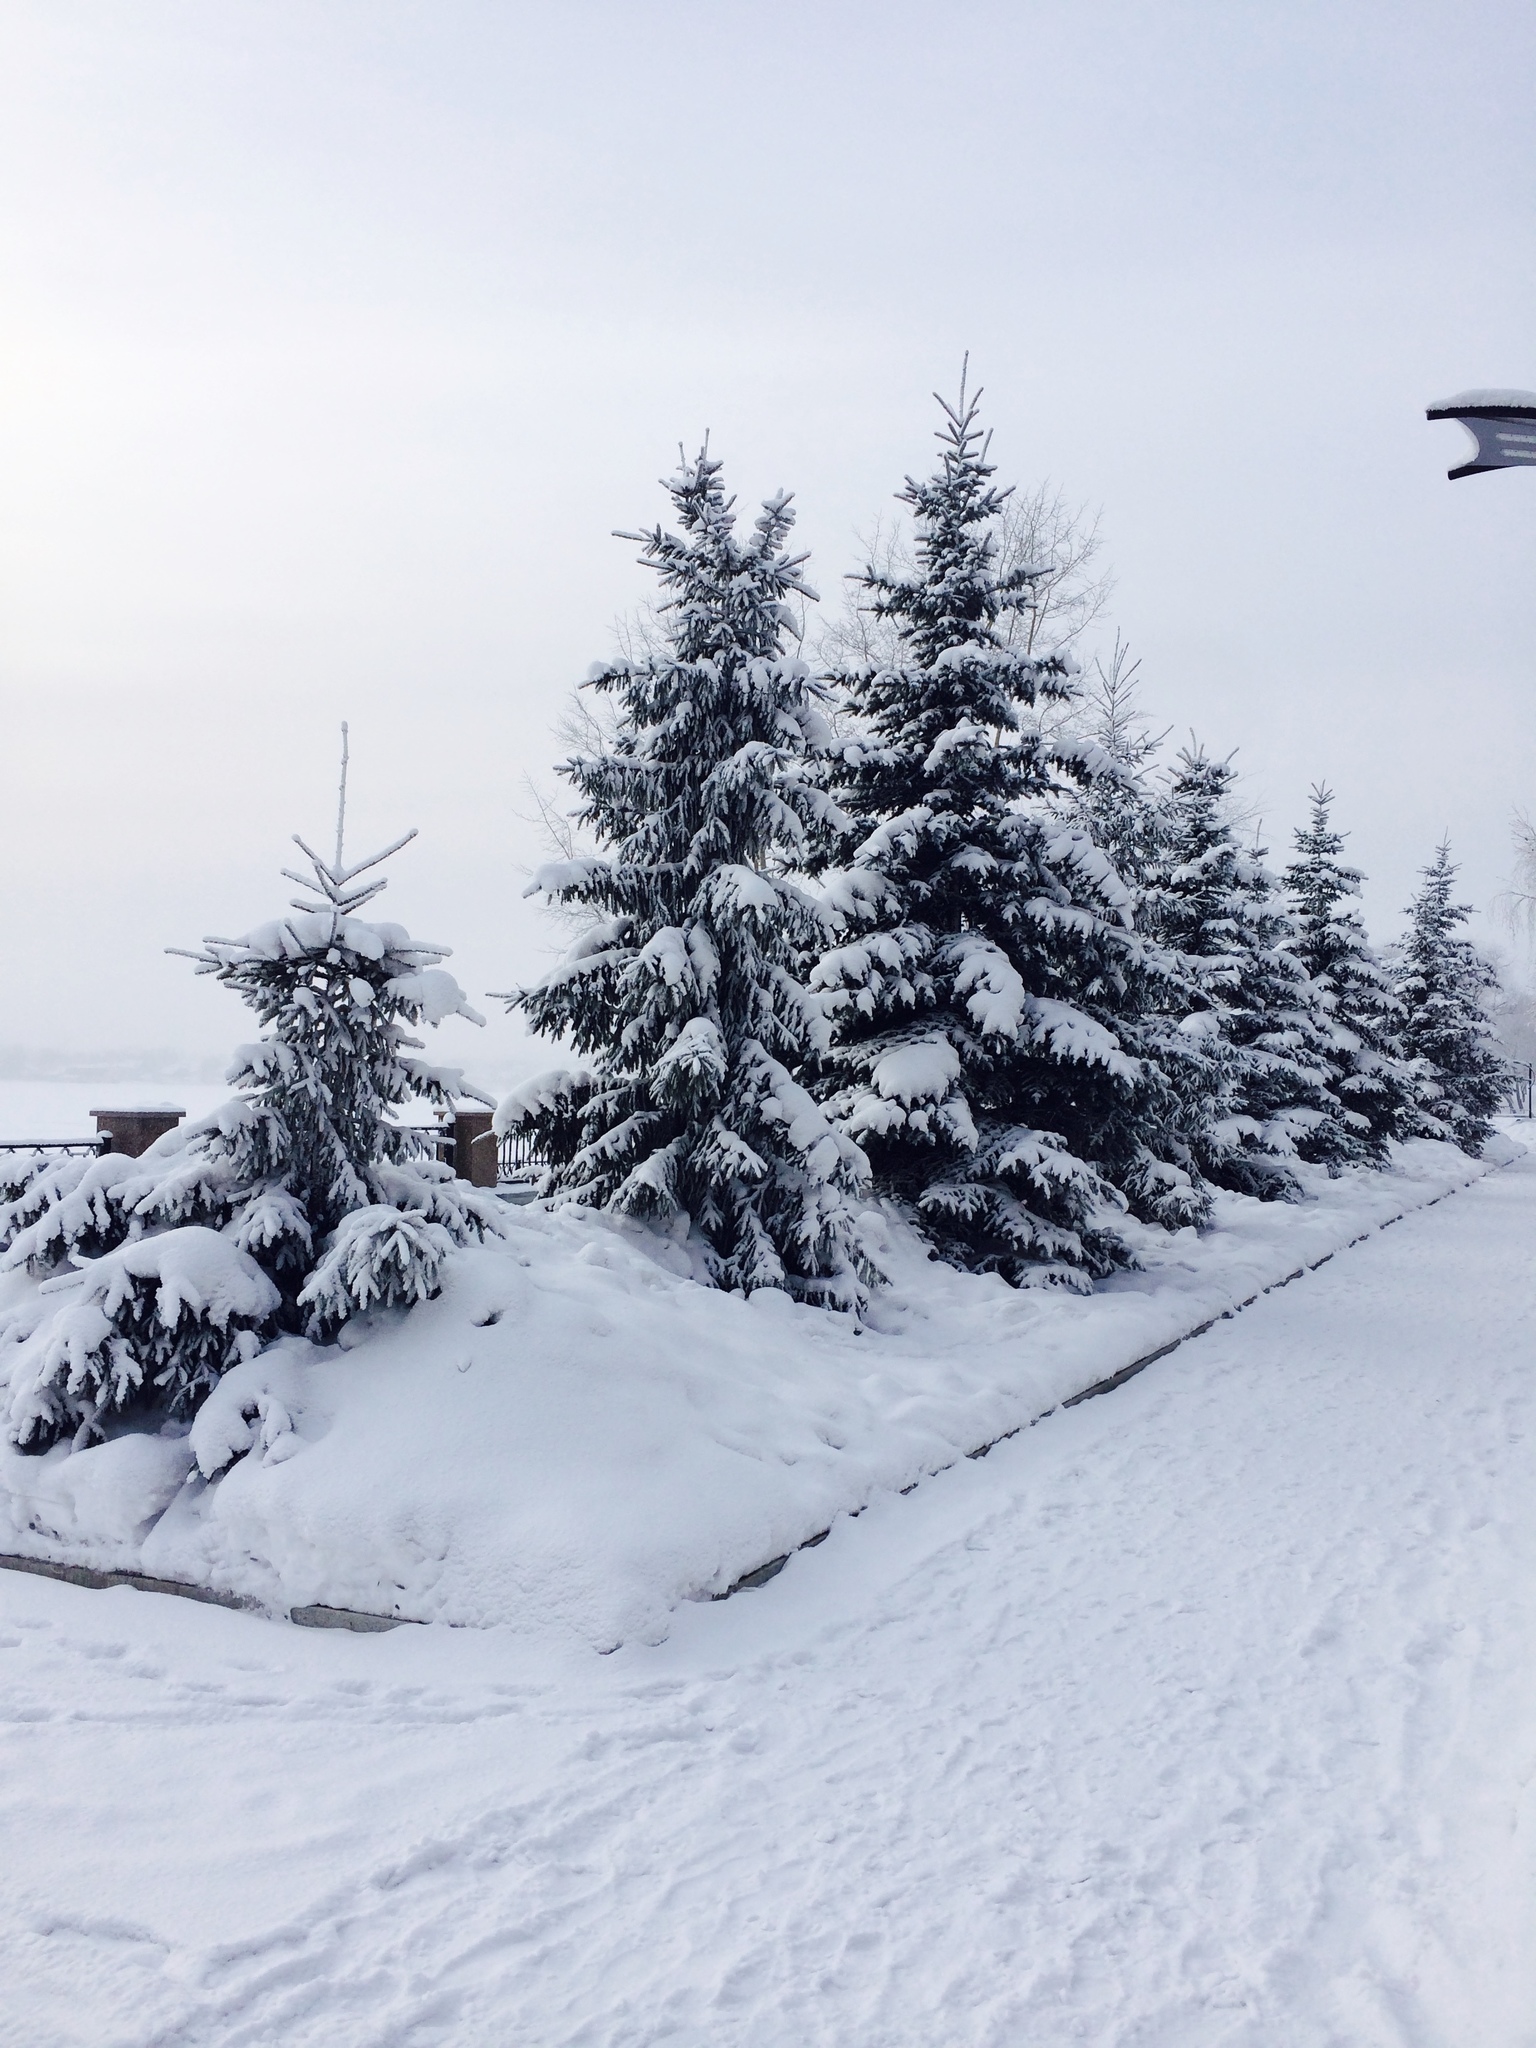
(475, 1150)
(133, 1131)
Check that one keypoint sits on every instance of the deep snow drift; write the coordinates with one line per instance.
(577, 1437)
(1198, 1717)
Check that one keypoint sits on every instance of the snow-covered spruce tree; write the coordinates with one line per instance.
(984, 950)
(293, 1207)
(685, 986)
(1361, 1004)
(1213, 902)
(1119, 809)
(18, 1170)
(1442, 983)
(1186, 1072)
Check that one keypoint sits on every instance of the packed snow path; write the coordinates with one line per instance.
(1203, 1713)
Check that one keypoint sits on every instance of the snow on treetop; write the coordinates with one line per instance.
(317, 931)
(329, 928)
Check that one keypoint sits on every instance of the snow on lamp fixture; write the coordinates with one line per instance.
(1502, 425)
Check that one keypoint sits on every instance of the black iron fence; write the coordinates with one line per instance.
(1519, 1091)
(519, 1162)
(518, 1158)
(78, 1148)
(23, 1159)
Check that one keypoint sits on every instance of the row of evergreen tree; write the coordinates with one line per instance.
(937, 927)
(932, 926)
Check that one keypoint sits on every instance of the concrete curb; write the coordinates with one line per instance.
(98, 1581)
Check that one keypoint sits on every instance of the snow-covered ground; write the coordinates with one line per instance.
(1204, 1713)
(576, 1437)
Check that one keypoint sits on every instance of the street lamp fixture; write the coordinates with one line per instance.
(1501, 423)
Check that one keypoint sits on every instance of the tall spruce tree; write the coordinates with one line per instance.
(985, 945)
(685, 987)
(1369, 1075)
(1213, 902)
(1442, 983)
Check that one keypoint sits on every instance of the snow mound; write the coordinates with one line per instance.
(575, 1436)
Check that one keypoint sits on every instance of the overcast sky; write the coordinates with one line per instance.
(335, 338)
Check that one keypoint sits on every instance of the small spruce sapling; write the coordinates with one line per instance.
(336, 1204)
(295, 1206)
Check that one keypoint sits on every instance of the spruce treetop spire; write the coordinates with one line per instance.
(341, 798)
(957, 596)
(332, 882)
(725, 597)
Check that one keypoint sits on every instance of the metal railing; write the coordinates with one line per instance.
(22, 1160)
(518, 1158)
(13, 1150)
(519, 1161)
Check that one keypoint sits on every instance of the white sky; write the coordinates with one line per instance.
(334, 340)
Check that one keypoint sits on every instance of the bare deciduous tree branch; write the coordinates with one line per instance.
(1035, 528)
